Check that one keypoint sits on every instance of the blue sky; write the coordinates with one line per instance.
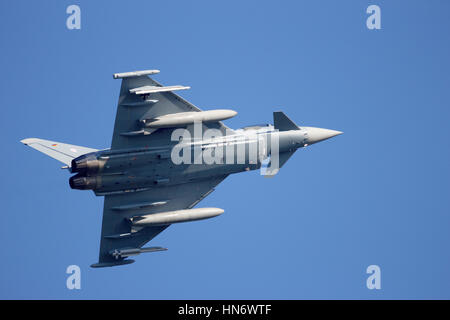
(379, 194)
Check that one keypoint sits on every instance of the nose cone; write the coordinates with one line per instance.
(318, 134)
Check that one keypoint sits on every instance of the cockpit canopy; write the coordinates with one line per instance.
(257, 126)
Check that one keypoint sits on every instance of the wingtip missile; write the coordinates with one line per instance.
(28, 141)
(112, 264)
(134, 74)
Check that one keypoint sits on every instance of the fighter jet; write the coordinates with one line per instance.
(166, 156)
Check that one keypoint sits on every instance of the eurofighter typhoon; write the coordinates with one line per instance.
(166, 156)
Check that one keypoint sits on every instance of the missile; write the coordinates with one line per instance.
(185, 118)
(169, 217)
(134, 74)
